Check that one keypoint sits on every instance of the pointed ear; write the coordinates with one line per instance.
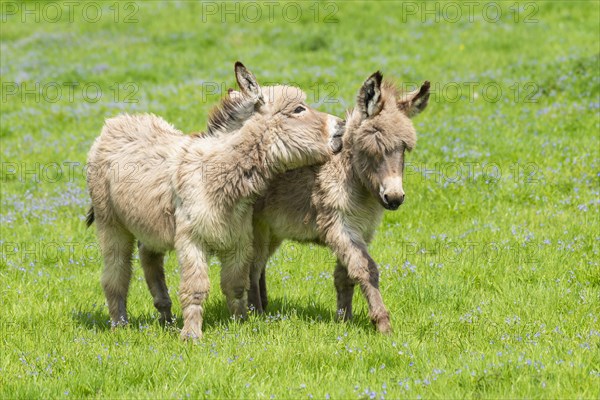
(369, 100)
(247, 82)
(412, 103)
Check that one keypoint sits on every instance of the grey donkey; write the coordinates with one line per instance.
(340, 204)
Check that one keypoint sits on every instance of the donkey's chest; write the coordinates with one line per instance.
(362, 214)
(353, 207)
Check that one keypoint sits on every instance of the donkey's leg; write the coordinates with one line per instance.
(254, 292)
(257, 295)
(345, 290)
(262, 288)
(153, 266)
(195, 285)
(363, 270)
(117, 246)
(273, 246)
(264, 246)
(235, 278)
(260, 243)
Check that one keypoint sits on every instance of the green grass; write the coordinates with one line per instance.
(490, 269)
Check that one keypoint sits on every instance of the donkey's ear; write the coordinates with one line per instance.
(412, 103)
(369, 100)
(247, 82)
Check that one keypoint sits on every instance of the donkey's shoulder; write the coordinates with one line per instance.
(337, 171)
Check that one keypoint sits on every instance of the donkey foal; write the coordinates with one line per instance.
(341, 203)
(195, 194)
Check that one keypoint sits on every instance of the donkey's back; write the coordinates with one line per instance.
(130, 165)
(127, 131)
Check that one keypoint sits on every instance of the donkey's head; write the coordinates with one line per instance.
(380, 130)
(298, 135)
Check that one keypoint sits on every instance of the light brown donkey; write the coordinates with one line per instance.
(195, 193)
(341, 203)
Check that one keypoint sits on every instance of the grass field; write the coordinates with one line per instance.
(490, 270)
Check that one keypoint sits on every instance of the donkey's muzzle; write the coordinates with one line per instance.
(392, 202)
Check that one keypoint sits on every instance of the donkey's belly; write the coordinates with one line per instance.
(143, 201)
(218, 227)
(147, 212)
(298, 230)
(290, 224)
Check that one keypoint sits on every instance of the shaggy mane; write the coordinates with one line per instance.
(389, 88)
(229, 114)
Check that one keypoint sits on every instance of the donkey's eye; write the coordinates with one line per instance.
(299, 109)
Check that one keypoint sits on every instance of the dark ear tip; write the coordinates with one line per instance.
(424, 88)
(238, 64)
(378, 76)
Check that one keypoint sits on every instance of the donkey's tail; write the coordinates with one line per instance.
(89, 220)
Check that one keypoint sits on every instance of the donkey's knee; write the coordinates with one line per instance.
(364, 271)
(115, 284)
(358, 272)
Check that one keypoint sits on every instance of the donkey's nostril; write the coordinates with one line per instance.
(392, 202)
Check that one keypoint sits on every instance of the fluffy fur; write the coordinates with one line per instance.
(341, 203)
(195, 194)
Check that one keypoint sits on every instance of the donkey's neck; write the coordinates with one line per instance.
(354, 174)
(241, 165)
(356, 178)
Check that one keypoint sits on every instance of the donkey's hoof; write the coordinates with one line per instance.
(239, 318)
(384, 326)
(343, 315)
(255, 309)
(190, 336)
(114, 325)
(166, 320)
